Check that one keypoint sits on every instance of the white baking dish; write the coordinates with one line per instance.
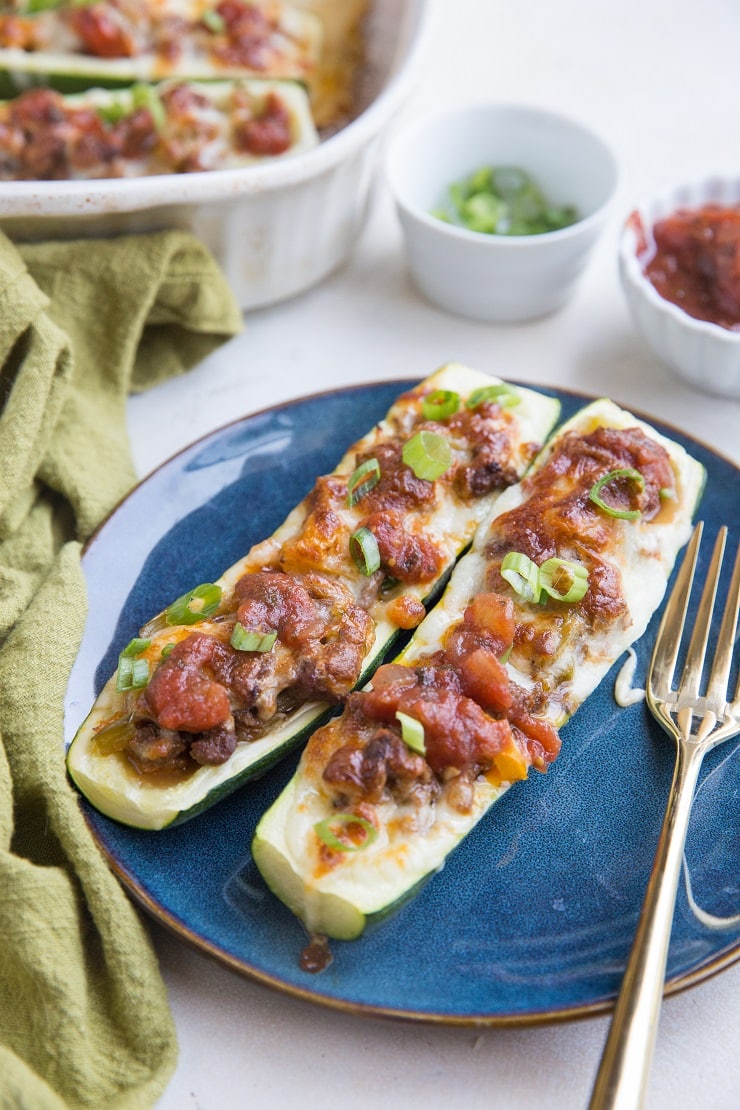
(276, 228)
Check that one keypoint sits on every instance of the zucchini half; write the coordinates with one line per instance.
(155, 800)
(292, 50)
(336, 895)
(203, 136)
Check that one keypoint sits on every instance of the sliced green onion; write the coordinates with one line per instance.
(213, 21)
(666, 493)
(363, 547)
(501, 393)
(522, 575)
(167, 650)
(623, 472)
(330, 829)
(243, 640)
(504, 658)
(132, 674)
(428, 454)
(111, 113)
(412, 732)
(503, 200)
(144, 96)
(365, 478)
(135, 647)
(564, 579)
(439, 404)
(195, 605)
(114, 737)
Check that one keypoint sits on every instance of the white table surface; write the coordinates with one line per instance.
(658, 80)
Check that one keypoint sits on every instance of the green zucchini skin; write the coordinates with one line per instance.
(366, 886)
(109, 781)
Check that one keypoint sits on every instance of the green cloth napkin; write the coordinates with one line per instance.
(84, 1018)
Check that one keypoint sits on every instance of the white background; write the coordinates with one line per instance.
(659, 81)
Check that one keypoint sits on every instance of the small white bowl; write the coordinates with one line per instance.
(497, 277)
(704, 355)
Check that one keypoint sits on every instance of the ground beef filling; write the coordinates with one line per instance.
(469, 708)
(44, 137)
(206, 696)
(481, 445)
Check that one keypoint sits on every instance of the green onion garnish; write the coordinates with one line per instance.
(363, 547)
(428, 454)
(412, 732)
(503, 200)
(195, 605)
(522, 575)
(439, 404)
(666, 493)
(243, 640)
(213, 21)
(111, 113)
(167, 650)
(501, 393)
(145, 96)
(114, 737)
(564, 579)
(365, 478)
(135, 647)
(329, 832)
(133, 672)
(627, 473)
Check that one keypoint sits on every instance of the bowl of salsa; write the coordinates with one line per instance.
(680, 270)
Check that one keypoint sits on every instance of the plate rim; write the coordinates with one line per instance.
(174, 925)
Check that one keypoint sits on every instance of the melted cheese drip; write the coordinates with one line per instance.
(625, 694)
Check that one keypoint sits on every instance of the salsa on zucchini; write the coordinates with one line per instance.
(235, 673)
(563, 575)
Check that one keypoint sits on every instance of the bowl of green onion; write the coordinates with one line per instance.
(500, 205)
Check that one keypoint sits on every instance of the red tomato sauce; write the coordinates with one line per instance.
(695, 263)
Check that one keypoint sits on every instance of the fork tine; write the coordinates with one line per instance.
(718, 680)
(665, 651)
(694, 665)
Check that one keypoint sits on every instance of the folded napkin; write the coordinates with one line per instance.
(84, 1019)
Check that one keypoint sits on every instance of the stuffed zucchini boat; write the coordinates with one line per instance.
(563, 575)
(171, 128)
(175, 127)
(73, 44)
(235, 673)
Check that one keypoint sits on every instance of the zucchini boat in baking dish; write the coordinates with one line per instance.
(175, 127)
(217, 688)
(561, 578)
(74, 45)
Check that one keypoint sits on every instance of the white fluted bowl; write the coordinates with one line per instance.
(704, 355)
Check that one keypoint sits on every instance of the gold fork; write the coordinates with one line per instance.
(697, 721)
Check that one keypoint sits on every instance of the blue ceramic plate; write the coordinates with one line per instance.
(532, 916)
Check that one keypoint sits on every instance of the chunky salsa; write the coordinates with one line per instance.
(309, 600)
(695, 262)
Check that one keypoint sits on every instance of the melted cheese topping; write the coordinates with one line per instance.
(411, 844)
(448, 521)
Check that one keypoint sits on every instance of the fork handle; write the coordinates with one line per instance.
(622, 1078)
